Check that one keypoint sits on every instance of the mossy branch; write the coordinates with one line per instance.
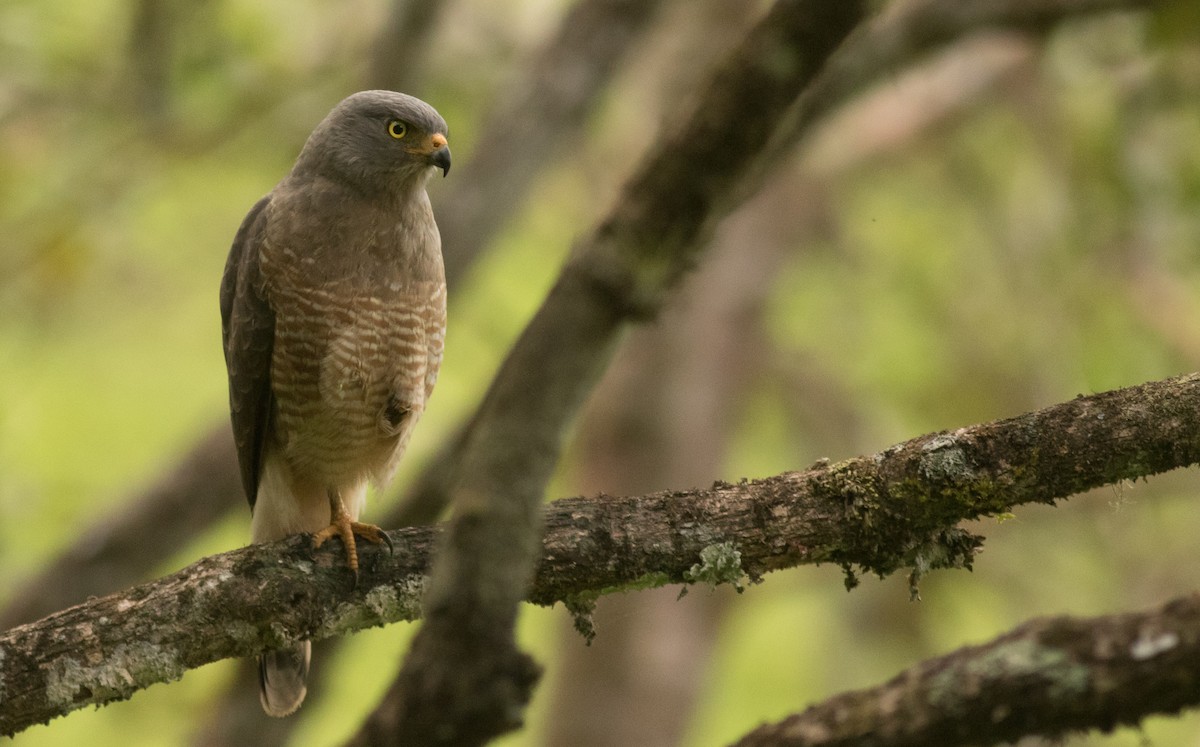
(1048, 677)
(880, 513)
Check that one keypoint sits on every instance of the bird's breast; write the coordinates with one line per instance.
(351, 370)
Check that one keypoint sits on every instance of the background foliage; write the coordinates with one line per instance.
(955, 249)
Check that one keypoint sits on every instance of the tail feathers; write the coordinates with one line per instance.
(281, 676)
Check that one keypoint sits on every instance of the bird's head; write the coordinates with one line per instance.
(378, 140)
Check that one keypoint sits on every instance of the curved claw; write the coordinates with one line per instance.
(341, 525)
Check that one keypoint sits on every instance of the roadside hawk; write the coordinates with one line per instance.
(333, 311)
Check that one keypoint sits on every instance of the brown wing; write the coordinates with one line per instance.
(248, 332)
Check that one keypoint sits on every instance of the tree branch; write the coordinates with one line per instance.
(880, 513)
(893, 509)
(1048, 677)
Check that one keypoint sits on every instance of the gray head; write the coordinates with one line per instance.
(377, 140)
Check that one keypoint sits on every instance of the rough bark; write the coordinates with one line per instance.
(897, 509)
(1048, 677)
(107, 648)
(879, 513)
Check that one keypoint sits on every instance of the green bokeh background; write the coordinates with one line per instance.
(1041, 243)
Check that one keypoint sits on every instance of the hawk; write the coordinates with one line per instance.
(333, 311)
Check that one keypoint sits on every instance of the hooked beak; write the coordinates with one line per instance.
(440, 156)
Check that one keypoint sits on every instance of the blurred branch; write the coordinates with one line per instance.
(523, 132)
(471, 213)
(535, 116)
(881, 512)
(149, 58)
(1048, 677)
(911, 29)
(663, 416)
(464, 680)
(397, 62)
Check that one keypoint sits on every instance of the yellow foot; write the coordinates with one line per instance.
(341, 525)
(347, 531)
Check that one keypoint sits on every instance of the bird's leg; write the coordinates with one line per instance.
(341, 525)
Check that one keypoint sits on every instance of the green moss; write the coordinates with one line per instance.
(582, 607)
(720, 563)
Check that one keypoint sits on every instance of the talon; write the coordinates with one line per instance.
(341, 525)
(374, 535)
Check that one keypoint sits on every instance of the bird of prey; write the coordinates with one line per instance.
(333, 311)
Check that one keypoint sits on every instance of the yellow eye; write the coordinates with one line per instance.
(397, 129)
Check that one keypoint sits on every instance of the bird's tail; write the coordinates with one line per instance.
(281, 677)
